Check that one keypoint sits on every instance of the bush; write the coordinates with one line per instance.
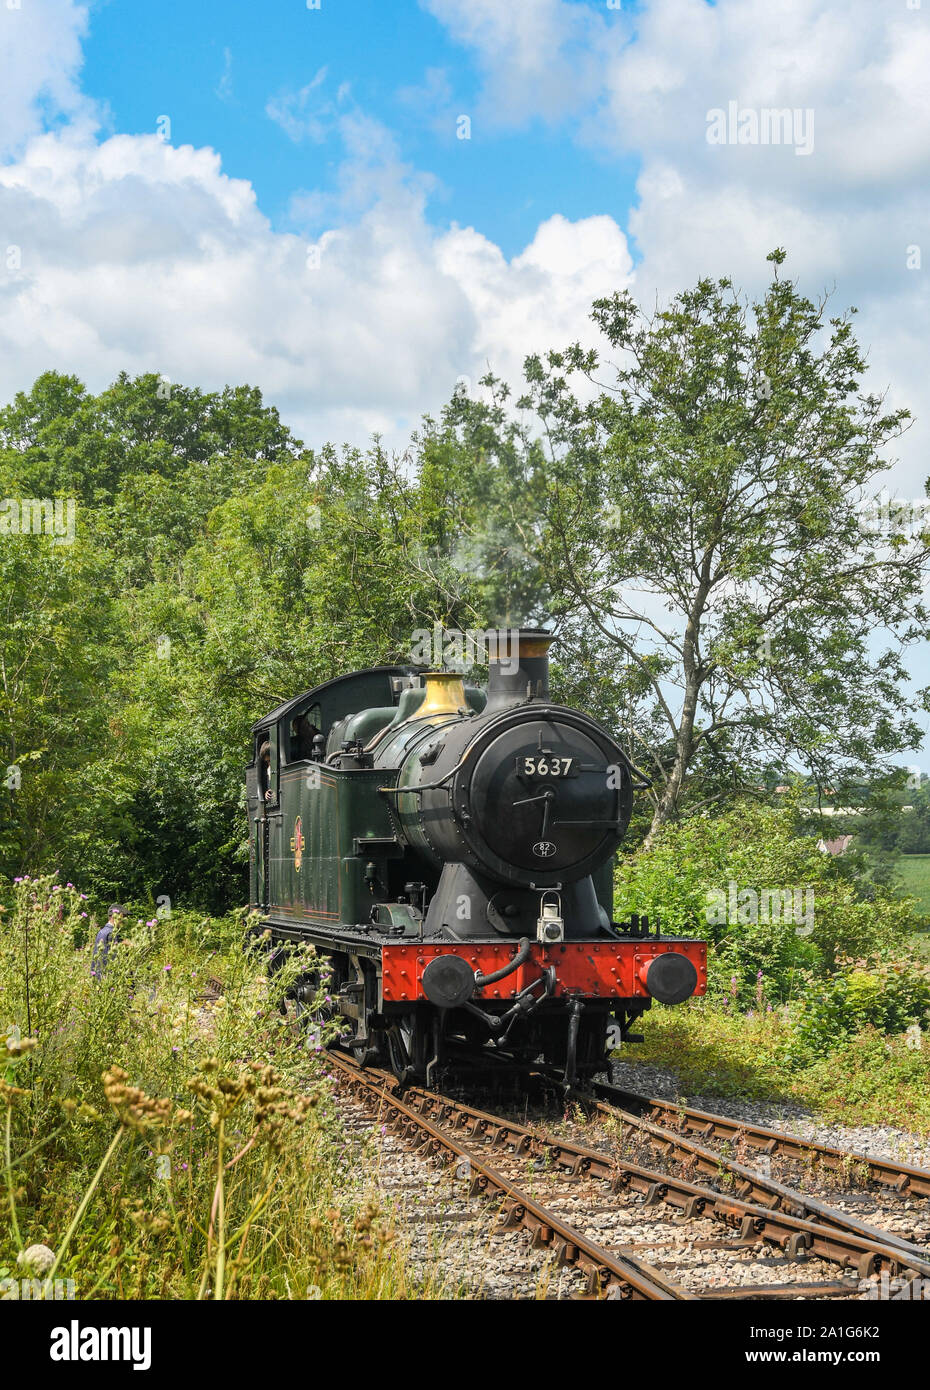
(889, 996)
(763, 896)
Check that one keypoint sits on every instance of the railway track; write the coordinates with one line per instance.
(683, 1135)
(897, 1177)
(639, 1233)
(607, 1273)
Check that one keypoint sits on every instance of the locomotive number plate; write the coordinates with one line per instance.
(545, 765)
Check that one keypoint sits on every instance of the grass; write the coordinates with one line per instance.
(868, 1079)
(164, 1146)
(914, 873)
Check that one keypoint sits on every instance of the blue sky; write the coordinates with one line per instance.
(214, 67)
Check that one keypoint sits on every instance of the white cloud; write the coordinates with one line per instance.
(305, 114)
(861, 69)
(40, 60)
(542, 298)
(138, 256)
(541, 58)
(846, 213)
(224, 88)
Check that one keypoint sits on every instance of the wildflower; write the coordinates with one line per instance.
(153, 923)
(167, 967)
(37, 1258)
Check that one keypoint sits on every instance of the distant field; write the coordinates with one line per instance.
(914, 873)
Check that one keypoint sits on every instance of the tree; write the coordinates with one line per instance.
(83, 618)
(703, 534)
(218, 568)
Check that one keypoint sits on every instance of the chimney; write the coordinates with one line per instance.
(519, 668)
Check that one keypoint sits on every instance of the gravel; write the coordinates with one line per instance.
(883, 1141)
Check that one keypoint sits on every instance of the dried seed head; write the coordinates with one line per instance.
(135, 1109)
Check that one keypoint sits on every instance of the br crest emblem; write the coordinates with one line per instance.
(297, 844)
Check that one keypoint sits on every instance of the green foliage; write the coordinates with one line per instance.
(890, 995)
(218, 568)
(741, 855)
(890, 818)
(786, 1008)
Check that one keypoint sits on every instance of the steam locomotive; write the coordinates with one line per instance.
(449, 851)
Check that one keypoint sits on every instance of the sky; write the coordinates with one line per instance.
(354, 205)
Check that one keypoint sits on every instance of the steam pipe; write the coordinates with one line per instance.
(523, 955)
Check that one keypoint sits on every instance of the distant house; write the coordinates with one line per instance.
(837, 846)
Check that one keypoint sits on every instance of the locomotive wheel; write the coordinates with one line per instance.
(401, 1039)
(311, 1019)
(368, 1053)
